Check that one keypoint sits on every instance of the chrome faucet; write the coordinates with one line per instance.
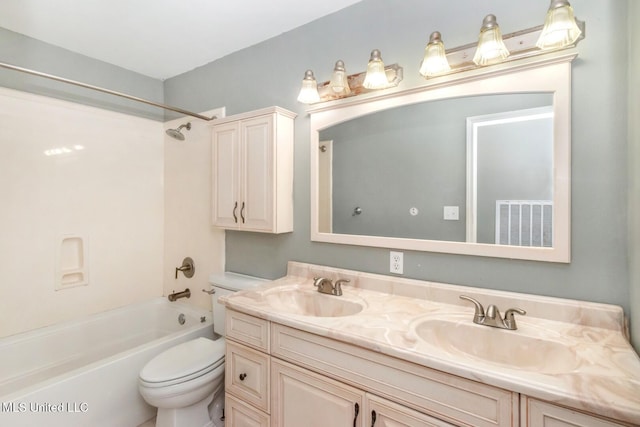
(492, 316)
(325, 286)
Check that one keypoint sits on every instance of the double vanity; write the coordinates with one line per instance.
(402, 352)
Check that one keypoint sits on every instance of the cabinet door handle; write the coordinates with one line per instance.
(242, 376)
(242, 212)
(373, 418)
(235, 217)
(357, 410)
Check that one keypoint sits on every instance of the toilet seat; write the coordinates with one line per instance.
(184, 362)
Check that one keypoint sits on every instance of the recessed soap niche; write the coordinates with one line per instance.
(72, 261)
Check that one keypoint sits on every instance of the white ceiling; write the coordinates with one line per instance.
(159, 38)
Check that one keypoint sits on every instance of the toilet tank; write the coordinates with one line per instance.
(225, 284)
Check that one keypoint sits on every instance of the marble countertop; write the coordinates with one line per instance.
(579, 356)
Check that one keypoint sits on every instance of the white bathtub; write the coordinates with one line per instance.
(84, 373)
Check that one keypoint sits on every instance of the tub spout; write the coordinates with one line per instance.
(177, 295)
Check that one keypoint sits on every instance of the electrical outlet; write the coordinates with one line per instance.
(395, 262)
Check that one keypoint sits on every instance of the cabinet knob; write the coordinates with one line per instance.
(242, 376)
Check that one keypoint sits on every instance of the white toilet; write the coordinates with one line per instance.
(183, 381)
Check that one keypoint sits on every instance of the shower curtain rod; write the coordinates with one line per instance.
(110, 92)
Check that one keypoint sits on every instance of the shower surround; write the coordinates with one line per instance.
(73, 170)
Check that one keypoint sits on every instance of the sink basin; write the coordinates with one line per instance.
(512, 349)
(311, 303)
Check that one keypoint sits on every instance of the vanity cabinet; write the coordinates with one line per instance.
(536, 413)
(313, 376)
(252, 171)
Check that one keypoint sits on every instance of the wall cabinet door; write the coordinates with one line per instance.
(252, 171)
(303, 398)
(257, 178)
(226, 174)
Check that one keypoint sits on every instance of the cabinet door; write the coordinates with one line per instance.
(225, 151)
(239, 414)
(541, 414)
(381, 412)
(303, 398)
(257, 191)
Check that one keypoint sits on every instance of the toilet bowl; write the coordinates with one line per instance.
(183, 381)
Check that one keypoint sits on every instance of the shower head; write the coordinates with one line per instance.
(176, 134)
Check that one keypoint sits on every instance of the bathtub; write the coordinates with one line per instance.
(85, 372)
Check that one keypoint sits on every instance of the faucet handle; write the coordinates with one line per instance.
(479, 314)
(510, 320)
(337, 287)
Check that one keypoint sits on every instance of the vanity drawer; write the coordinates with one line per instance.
(247, 375)
(248, 330)
(447, 397)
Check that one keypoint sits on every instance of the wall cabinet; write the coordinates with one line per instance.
(252, 171)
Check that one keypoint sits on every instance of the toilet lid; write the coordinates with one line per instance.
(181, 362)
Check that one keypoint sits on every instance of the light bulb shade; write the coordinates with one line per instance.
(560, 27)
(309, 90)
(435, 58)
(376, 77)
(491, 49)
(339, 83)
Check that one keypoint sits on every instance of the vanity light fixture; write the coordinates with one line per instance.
(309, 90)
(491, 48)
(560, 27)
(435, 59)
(339, 83)
(376, 77)
(561, 30)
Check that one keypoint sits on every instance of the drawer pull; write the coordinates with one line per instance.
(242, 376)
(373, 418)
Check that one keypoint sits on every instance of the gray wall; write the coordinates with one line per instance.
(634, 169)
(270, 73)
(25, 52)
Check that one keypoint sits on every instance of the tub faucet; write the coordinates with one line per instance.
(177, 295)
(492, 316)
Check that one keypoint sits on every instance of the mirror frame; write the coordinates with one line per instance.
(546, 73)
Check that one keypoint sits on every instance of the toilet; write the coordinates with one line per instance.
(186, 382)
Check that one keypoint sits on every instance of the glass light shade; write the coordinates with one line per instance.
(309, 90)
(560, 28)
(376, 77)
(339, 83)
(491, 48)
(435, 58)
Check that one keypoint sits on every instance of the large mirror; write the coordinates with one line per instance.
(476, 164)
